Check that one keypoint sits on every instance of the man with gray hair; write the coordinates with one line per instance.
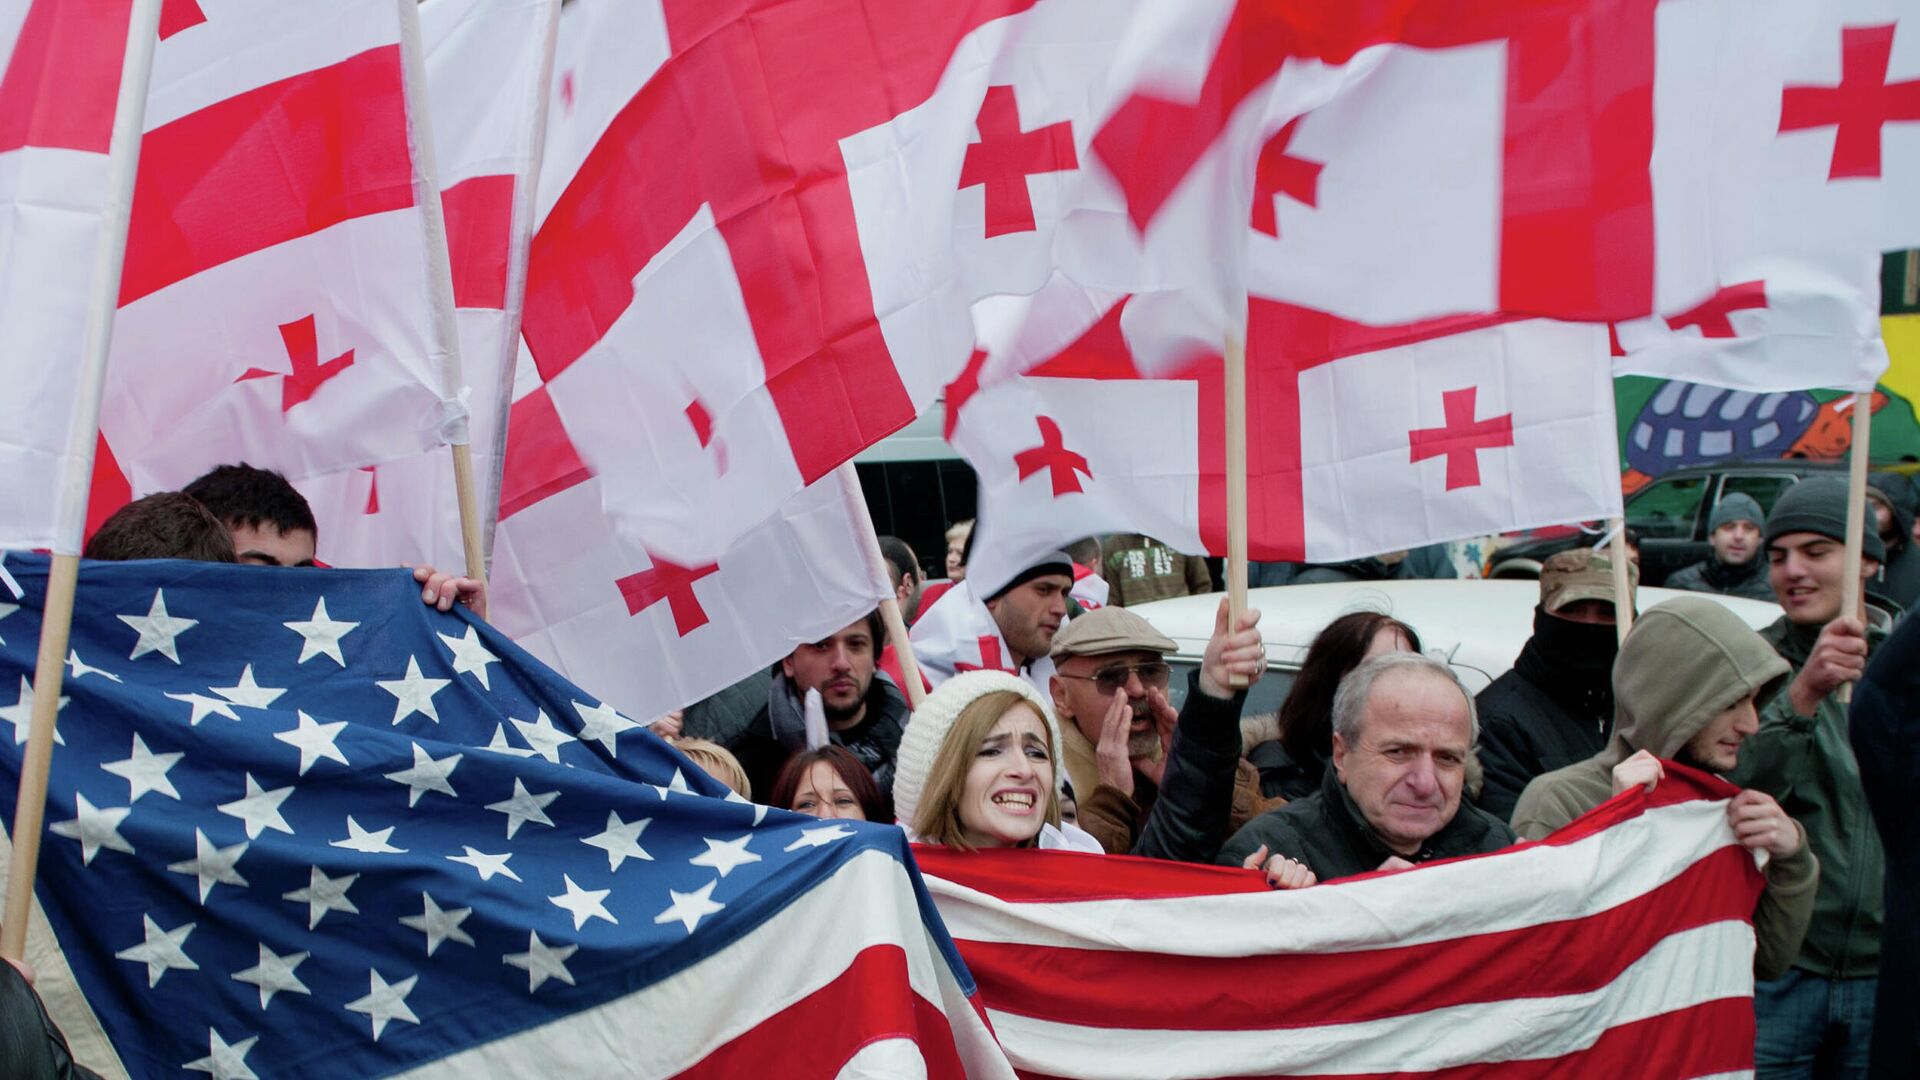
(1402, 729)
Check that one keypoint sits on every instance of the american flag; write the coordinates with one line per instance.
(1620, 946)
(300, 824)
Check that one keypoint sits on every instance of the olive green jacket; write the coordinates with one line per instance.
(1807, 764)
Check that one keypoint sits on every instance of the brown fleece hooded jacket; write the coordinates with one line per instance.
(1686, 661)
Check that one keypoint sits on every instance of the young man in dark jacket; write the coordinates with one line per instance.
(1886, 741)
(866, 713)
(1817, 1019)
(1737, 566)
(1402, 729)
(1555, 706)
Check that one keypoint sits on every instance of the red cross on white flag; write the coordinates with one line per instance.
(1362, 439)
(1786, 143)
(484, 60)
(275, 303)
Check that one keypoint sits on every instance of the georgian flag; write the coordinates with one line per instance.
(276, 304)
(59, 82)
(1360, 439)
(487, 63)
(653, 634)
(1787, 146)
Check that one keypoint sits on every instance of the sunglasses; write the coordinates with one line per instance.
(1110, 680)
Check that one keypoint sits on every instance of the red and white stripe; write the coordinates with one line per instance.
(60, 70)
(280, 220)
(809, 992)
(1623, 945)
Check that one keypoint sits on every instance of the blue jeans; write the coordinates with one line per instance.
(1811, 1027)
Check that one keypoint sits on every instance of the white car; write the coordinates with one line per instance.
(1477, 626)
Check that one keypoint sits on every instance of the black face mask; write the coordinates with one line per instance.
(1571, 661)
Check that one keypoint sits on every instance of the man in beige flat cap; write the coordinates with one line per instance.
(1149, 782)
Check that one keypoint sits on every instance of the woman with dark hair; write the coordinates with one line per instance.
(829, 782)
(1294, 764)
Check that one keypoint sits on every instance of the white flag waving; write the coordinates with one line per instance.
(487, 65)
(277, 300)
(59, 78)
(1360, 439)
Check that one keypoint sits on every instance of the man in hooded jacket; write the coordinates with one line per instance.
(1555, 706)
(1688, 686)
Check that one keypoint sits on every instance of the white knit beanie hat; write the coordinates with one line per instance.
(927, 732)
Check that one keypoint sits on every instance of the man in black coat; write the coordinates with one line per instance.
(1402, 729)
(1885, 723)
(1555, 706)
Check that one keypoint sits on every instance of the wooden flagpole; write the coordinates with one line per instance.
(446, 331)
(1622, 580)
(1235, 396)
(1853, 589)
(896, 623)
(109, 255)
(521, 240)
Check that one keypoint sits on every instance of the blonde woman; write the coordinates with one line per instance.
(978, 768)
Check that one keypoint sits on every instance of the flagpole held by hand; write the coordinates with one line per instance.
(123, 154)
(445, 329)
(1852, 587)
(890, 615)
(1236, 425)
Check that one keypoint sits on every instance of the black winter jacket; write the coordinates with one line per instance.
(1327, 831)
(1524, 733)
(1188, 822)
(1885, 722)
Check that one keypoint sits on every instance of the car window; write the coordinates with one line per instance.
(1265, 697)
(1667, 509)
(1764, 488)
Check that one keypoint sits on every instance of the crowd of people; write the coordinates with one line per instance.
(1378, 760)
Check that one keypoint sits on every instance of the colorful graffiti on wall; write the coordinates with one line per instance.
(1667, 425)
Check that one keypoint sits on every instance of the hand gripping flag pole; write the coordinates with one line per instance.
(445, 330)
(1852, 587)
(1235, 387)
(129, 121)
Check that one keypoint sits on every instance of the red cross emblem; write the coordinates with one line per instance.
(989, 658)
(1859, 107)
(1062, 464)
(1005, 156)
(309, 374)
(1280, 173)
(761, 111)
(1710, 315)
(1462, 438)
(961, 389)
(668, 581)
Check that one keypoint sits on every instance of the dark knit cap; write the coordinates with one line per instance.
(1054, 562)
(1818, 504)
(1738, 506)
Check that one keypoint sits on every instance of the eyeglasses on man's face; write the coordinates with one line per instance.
(1109, 680)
